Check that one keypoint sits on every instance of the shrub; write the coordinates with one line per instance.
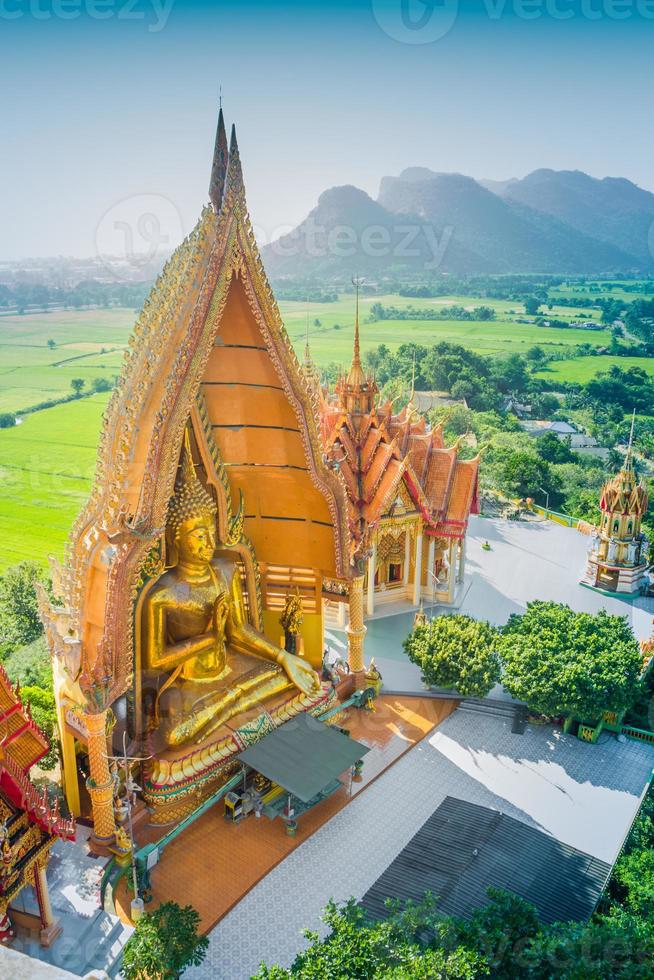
(164, 943)
(458, 652)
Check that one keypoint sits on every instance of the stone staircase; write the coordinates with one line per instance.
(513, 712)
(89, 945)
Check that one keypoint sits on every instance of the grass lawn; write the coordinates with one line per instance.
(46, 467)
(582, 369)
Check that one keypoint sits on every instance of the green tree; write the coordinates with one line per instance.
(532, 305)
(564, 662)
(456, 651)
(358, 949)
(524, 473)
(536, 355)
(101, 384)
(164, 943)
(7, 420)
(42, 706)
(554, 450)
(616, 947)
(498, 933)
(51, 344)
(19, 615)
(634, 874)
(77, 384)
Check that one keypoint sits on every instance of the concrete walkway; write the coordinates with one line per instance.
(584, 795)
(528, 560)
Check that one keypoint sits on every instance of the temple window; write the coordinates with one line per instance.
(394, 571)
(616, 526)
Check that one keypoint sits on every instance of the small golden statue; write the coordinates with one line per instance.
(291, 621)
(195, 630)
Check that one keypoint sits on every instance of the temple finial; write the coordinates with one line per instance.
(355, 377)
(234, 172)
(219, 164)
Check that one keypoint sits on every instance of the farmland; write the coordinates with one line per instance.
(47, 462)
(582, 369)
(46, 467)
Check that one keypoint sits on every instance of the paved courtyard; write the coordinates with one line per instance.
(528, 560)
(584, 795)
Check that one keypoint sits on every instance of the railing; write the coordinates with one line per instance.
(638, 733)
(36, 804)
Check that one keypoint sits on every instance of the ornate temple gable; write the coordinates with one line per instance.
(217, 270)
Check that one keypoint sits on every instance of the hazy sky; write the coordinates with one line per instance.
(110, 102)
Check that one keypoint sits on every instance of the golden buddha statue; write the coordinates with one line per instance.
(195, 629)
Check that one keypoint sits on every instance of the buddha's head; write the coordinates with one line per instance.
(192, 516)
(195, 540)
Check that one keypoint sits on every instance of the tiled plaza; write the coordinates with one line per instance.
(585, 795)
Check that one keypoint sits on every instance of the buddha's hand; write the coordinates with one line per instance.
(300, 673)
(220, 614)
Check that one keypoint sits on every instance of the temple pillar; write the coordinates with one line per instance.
(407, 556)
(417, 578)
(356, 631)
(431, 578)
(100, 784)
(372, 565)
(451, 578)
(50, 927)
(462, 560)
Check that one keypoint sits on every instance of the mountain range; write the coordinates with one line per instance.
(424, 222)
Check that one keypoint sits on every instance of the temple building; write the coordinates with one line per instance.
(409, 496)
(29, 824)
(618, 555)
(212, 503)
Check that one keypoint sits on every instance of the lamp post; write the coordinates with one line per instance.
(547, 498)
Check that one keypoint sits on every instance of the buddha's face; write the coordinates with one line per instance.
(196, 541)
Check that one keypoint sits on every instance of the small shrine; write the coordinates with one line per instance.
(213, 504)
(29, 824)
(618, 554)
(409, 496)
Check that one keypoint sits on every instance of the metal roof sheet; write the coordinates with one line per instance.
(303, 756)
(462, 849)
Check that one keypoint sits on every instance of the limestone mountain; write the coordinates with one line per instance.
(612, 210)
(424, 221)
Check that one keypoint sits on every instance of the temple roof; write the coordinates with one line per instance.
(624, 493)
(378, 450)
(22, 744)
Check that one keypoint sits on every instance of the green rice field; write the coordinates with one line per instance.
(46, 468)
(582, 369)
(48, 461)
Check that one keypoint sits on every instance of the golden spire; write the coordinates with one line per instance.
(356, 377)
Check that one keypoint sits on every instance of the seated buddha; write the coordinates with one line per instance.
(209, 664)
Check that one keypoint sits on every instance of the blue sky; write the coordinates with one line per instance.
(96, 111)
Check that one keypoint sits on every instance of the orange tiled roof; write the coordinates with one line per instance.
(377, 449)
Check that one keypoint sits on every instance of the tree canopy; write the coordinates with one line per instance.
(565, 662)
(456, 651)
